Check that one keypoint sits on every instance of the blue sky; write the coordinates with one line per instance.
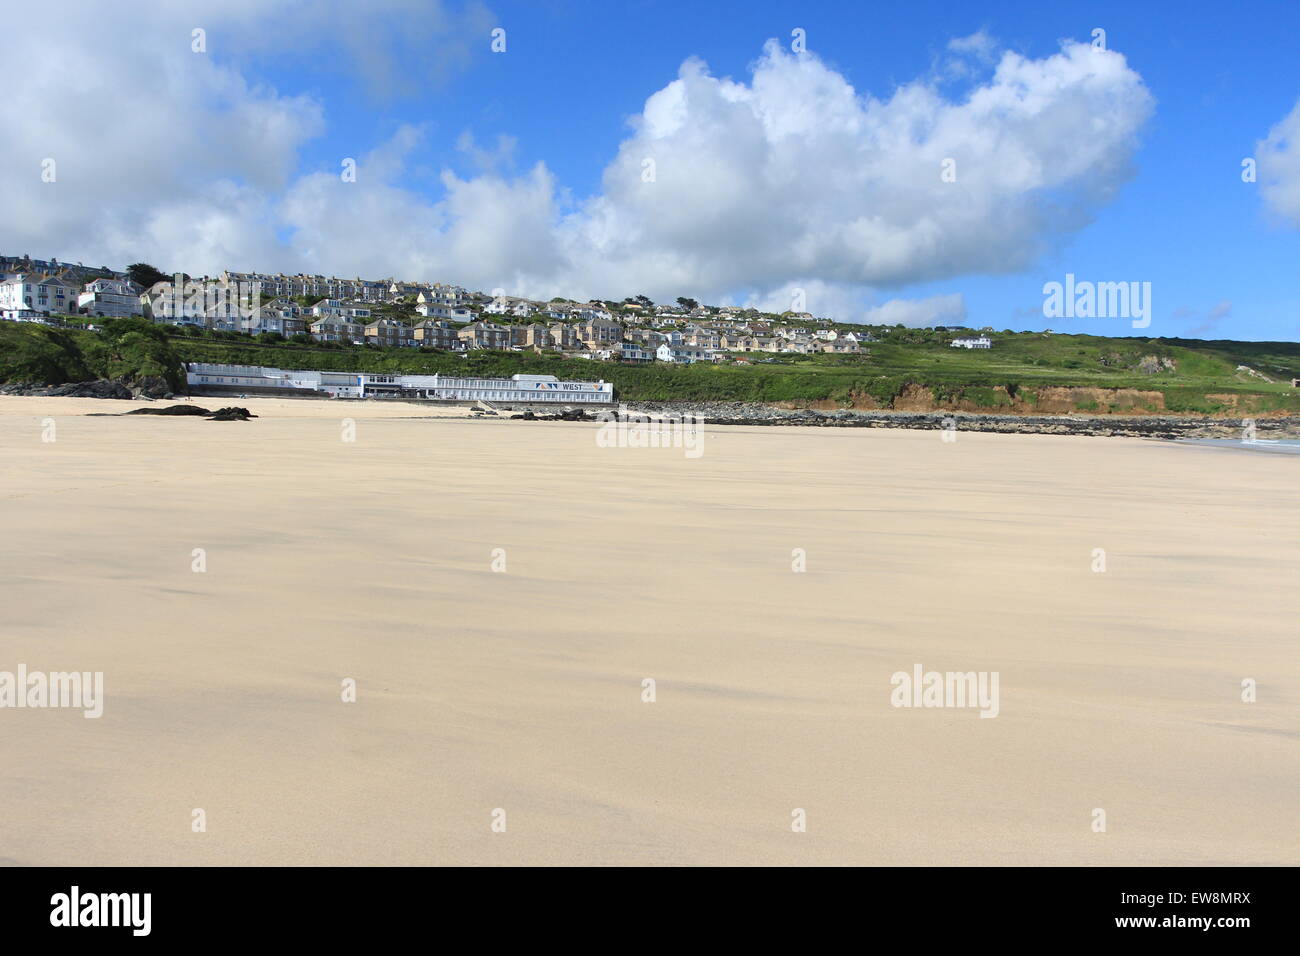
(1221, 260)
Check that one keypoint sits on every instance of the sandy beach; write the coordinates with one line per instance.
(521, 688)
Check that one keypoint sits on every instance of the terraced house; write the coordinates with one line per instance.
(485, 335)
(37, 293)
(336, 308)
(436, 334)
(599, 332)
(334, 329)
(563, 336)
(442, 302)
(203, 303)
(533, 336)
(390, 332)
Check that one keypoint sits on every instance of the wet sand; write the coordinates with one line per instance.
(521, 689)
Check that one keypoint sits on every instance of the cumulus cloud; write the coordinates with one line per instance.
(796, 175)
(936, 310)
(795, 179)
(722, 189)
(1278, 158)
(157, 151)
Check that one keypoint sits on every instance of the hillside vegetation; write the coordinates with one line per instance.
(125, 350)
(1188, 376)
(905, 368)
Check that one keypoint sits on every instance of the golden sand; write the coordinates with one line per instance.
(522, 689)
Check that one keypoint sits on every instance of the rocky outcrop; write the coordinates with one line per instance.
(567, 415)
(100, 388)
(197, 410)
(229, 414)
(152, 386)
(1145, 426)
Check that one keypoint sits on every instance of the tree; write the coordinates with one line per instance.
(145, 275)
(687, 304)
(646, 301)
(131, 349)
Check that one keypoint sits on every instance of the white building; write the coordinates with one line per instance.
(29, 292)
(337, 309)
(207, 303)
(983, 342)
(518, 388)
(442, 310)
(110, 297)
(25, 315)
(511, 305)
(683, 354)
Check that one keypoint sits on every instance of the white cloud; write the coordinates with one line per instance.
(797, 176)
(792, 179)
(796, 180)
(979, 45)
(1278, 158)
(159, 152)
(936, 310)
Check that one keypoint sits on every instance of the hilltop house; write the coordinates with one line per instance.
(682, 354)
(563, 336)
(390, 332)
(334, 308)
(633, 352)
(982, 342)
(535, 336)
(442, 302)
(485, 335)
(110, 297)
(436, 334)
(37, 293)
(332, 329)
(597, 332)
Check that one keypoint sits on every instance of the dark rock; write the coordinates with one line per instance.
(152, 386)
(101, 388)
(172, 410)
(564, 415)
(1143, 426)
(232, 413)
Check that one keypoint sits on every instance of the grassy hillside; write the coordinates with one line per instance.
(904, 365)
(1188, 374)
(127, 350)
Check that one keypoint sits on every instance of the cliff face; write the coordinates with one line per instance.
(1044, 400)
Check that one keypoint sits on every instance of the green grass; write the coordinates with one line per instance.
(1187, 373)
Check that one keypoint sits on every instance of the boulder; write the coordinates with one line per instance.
(172, 410)
(231, 413)
(152, 386)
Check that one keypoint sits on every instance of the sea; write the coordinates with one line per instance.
(1276, 446)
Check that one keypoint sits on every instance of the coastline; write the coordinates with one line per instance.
(753, 414)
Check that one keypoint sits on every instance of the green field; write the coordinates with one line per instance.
(1190, 375)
